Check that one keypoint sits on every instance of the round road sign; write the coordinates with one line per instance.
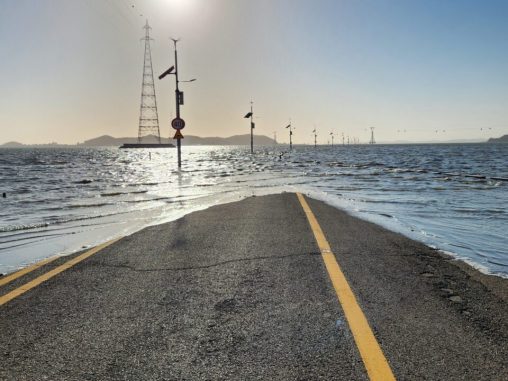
(178, 123)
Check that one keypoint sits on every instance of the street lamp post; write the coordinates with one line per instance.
(177, 100)
(251, 127)
(177, 123)
(315, 137)
(251, 116)
(290, 135)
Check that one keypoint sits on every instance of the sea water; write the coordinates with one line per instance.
(61, 200)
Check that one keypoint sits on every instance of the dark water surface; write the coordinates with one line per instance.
(453, 197)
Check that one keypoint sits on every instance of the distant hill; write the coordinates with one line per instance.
(236, 140)
(20, 145)
(502, 139)
(106, 140)
(12, 144)
(188, 140)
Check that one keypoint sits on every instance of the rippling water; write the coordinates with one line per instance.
(453, 197)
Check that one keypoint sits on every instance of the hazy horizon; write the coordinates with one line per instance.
(417, 71)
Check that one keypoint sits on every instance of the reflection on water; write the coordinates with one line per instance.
(453, 197)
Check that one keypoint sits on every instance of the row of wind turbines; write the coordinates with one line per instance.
(345, 139)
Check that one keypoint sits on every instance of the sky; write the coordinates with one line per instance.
(416, 70)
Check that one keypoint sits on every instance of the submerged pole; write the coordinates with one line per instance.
(290, 135)
(251, 128)
(177, 98)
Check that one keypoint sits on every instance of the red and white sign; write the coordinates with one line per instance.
(178, 123)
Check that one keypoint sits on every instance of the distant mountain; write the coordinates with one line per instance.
(188, 140)
(106, 140)
(12, 145)
(20, 145)
(236, 140)
(502, 139)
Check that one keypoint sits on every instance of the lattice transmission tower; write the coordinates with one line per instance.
(372, 140)
(148, 117)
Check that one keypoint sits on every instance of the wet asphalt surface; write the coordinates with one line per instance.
(239, 292)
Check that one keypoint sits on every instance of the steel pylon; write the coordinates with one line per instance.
(148, 116)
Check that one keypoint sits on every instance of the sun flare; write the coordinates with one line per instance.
(179, 5)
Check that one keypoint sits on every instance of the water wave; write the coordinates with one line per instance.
(453, 197)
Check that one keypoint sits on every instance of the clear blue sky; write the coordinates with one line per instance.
(71, 69)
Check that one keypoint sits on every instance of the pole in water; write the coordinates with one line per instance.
(251, 129)
(290, 135)
(4, 195)
(179, 145)
(176, 123)
(177, 98)
(251, 116)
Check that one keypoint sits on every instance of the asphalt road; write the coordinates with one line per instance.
(240, 292)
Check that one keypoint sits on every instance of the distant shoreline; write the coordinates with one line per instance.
(7, 145)
(110, 141)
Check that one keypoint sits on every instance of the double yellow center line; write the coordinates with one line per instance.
(50, 274)
(373, 358)
(18, 274)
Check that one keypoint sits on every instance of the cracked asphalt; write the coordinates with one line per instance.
(240, 292)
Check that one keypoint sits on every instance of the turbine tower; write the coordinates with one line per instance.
(148, 117)
(372, 140)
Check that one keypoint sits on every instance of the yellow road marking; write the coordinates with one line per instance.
(373, 358)
(50, 274)
(9, 278)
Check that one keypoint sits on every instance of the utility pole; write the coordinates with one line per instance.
(290, 135)
(315, 137)
(372, 140)
(251, 116)
(331, 134)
